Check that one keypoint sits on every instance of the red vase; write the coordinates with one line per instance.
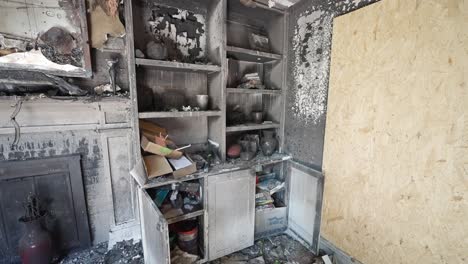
(35, 246)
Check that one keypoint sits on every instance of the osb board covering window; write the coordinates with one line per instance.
(396, 144)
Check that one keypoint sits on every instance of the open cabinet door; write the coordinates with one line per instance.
(154, 231)
(305, 203)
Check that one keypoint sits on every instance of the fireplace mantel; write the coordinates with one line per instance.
(76, 113)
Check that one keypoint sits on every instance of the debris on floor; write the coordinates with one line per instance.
(122, 252)
(181, 257)
(271, 250)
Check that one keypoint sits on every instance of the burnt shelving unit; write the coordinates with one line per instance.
(196, 67)
(269, 63)
(227, 56)
(158, 85)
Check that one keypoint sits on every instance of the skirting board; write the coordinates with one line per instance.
(339, 256)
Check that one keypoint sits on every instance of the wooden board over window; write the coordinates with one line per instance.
(396, 144)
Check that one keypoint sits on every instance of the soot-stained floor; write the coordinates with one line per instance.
(271, 250)
(122, 252)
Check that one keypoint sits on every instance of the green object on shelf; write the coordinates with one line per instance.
(161, 196)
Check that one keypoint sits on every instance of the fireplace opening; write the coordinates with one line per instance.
(50, 191)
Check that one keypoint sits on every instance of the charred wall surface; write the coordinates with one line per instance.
(310, 26)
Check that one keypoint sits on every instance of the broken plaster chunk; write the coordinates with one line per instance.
(105, 88)
(286, 3)
(139, 54)
(60, 39)
(181, 257)
(190, 108)
(258, 260)
(35, 59)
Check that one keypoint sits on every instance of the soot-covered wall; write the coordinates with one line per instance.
(310, 27)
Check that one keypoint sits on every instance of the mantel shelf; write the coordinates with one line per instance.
(180, 114)
(178, 66)
(253, 91)
(251, 55)
(247, 127)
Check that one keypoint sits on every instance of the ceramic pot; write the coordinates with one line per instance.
(35, 246)
(257, 117)
(202, 101)
(157, 51)
(234, 151)
(268, 143)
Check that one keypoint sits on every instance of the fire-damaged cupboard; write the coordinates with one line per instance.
(208, 86)
(227, 218)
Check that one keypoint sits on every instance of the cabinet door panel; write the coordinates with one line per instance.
(154, 231)
(231, 209)
(305, 203)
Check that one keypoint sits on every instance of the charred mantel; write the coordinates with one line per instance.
(45, 115)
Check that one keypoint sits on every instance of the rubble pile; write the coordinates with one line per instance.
(122, 252)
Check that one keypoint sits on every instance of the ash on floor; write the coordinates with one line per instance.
(122, 252)
(272, 250)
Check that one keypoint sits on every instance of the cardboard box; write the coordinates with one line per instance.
(156, 166)
(270, 221)
(154, 148)
(183, 167)
(152, 128)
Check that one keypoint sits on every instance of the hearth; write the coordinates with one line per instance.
(58, 184)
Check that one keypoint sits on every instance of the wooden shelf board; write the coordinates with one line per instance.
(180, 114)
(251, 55)
(178, 66)
(254, 91)
(228, 166)
(247, 127)
(185, 216)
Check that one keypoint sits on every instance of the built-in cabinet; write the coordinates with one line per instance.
(228, 219)
(226, 222)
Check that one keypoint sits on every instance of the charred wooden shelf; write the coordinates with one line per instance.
(178, 66)
(185, 217)
(181, 114)
(228, 166)
(254, 91)
(247, 127)
(251, 55)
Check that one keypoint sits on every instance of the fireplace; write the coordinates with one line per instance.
(58, 184)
